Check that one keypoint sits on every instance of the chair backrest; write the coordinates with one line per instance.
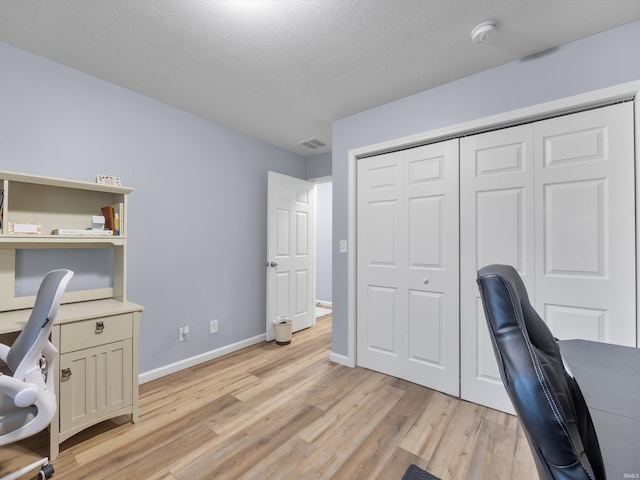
(27, 348)
(547, 399)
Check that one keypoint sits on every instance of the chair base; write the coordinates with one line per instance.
(46, 470)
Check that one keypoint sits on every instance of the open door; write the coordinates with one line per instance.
(290, 234)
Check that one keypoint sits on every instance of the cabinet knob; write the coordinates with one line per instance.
(99, 327)
(66, 372)
(425, 281)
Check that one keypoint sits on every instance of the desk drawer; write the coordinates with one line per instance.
(94, 332)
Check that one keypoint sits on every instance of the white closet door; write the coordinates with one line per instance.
(585, 226)
(496, 226)
(408, 303)
(572, 178)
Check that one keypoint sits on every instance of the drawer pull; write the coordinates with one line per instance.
(99, 327)
(66, 372)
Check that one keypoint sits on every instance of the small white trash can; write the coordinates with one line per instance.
(283, 327)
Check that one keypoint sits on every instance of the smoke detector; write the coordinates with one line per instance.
(485, 32)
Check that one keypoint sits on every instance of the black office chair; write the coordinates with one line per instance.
(546, 397)
(27, 393)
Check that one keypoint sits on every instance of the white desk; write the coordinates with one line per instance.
(96, 376)
(609, 377)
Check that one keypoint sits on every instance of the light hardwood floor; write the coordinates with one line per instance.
(286, 412)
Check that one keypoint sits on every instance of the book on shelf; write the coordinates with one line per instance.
(117, 218)
(107, 213)
(77, 231)
(114, 217)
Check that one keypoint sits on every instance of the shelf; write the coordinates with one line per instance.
(41, 241)
(57, 203)
(61, 182)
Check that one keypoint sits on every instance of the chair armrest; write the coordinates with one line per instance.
(4, 352)
(22, 393)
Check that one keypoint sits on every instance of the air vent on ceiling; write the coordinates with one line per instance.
(313, 143)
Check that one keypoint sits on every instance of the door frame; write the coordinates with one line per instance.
(317, 181)
(597, 98)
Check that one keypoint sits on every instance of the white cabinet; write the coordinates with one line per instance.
(97, 374)
(96, 370)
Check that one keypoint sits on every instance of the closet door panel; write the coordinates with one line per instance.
(408, 294)
(501, 211)
(432, 273)
(426, 244)
(585, 246)
(574, 245)
(496, 226)
(380, 262)
(566, 322)
(383, 316)
(555, 199)
(426, 328)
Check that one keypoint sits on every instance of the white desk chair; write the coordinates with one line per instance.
(27, 396)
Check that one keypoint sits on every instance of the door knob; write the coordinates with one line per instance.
(273, 264)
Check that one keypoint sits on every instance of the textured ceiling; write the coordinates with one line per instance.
(283, 70)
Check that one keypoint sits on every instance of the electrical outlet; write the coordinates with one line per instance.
(183, 333)
(213, 326)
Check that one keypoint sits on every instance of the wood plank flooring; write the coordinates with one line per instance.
(286, 412)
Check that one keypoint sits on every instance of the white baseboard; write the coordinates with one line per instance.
(323, 303)
(203, 357)
(342, 360)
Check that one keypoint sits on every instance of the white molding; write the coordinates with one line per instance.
(323, 303)
(618, 93)
(198, 359)
(636, 104)
(341, 359)
(626, 91)
(352, 256)
(325, 179)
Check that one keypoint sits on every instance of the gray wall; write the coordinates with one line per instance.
(319, 166)
(324, 209)
(197, 223)
(603, 60)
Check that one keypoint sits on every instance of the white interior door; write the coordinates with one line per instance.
(290, 234)
(408, 311)
(556, 200)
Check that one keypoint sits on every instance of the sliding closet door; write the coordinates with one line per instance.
(408, 311)
(585, 225)
(496, 226)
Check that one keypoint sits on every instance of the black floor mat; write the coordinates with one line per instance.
(416, 473)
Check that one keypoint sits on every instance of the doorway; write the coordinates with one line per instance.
(323, 238)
